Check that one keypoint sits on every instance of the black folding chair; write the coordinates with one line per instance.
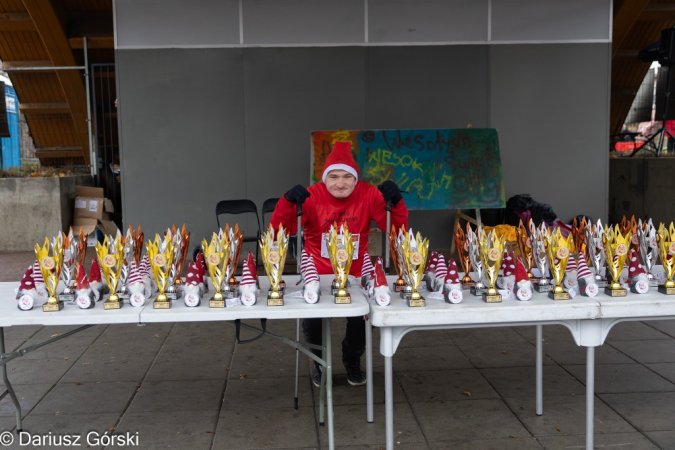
(268, 207)
(241, 207)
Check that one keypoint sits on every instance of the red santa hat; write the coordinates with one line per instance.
(27, 281)
(380, 278)
(341, 159)
(251, 266)
(508, 264)
(82, 282)
(95, 272)
(441, 269)
(635, 267)
(367, 270)
(37, 273)
(134, 273)
(521, 273)
(452, 277)
(192, 278)
(582, 267)
(201, 266)
(571, 264)
(246, 276)
(309, 273)
(304, 260)
(433, 261)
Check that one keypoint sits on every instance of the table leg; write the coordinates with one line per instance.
(389, 401)
(328, 357)
(369, 371)
(8, 386)
(590, 395)
(297, 362)
(324, 371)
(540, 373)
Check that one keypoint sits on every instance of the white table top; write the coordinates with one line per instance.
(293, 308)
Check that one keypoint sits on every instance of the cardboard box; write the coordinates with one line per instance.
(90, 203)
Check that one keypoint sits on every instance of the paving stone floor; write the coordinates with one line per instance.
(190, 386)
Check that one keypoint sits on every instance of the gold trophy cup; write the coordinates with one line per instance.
(110, 253)
(216, 262)
(525, 248)
(50, 260)
(274, 257)
(616, 252)
(185, 244)
(558, 253)
(161, 253)
(341, 251)
(491, 253)
(414, 251)
(236, 238)
(666, 242)
(399, 284)
(464, 258)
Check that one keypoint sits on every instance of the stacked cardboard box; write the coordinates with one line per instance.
(92, 213)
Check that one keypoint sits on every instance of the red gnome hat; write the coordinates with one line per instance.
(37, 273)
(508, 266)
(521, 273)
(433, 261)
(341, 159)
(452, 277)
(251, 266)
(380, 278)
(201, 266)
(441, 268)
(246, 277)
(582, 268)
(27, 281)
(635, 267)
(310, 274)
(82, 282)
(134, 273)
(571, 264)
(95, 272)
(192, 278)
(367, 269)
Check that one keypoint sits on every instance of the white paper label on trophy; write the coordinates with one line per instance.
(80, 204)
(92, 205)
(355, 239)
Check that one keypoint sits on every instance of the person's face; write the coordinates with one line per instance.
(340, 183)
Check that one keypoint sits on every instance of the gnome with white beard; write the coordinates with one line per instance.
(26, 294)
(311, 288)
(381, 293)
(523, 288)
(637, 275)
(248, 286)
(146, 275)
(440, 274)
(136, 285)
(40, 287)
(508, 278)
(84, 295)
(193, 289)
(367, 270)
(452, 288)
(585, 278)
(430, 274)
(98, 288)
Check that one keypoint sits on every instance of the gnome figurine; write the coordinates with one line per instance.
(637, 275)
(248, 287)
(381, 292)
(508, 278)
(585, 278)
(201, 266)
(570, 279)
(311, 289)
(136, 285)
(146, 275)
(452, 287)
(40, 288)
(440, 274)
(367, 270)
(193, 288)
(84, 295)
(98, 288)
(523, 287)
(26, 294)
(430, 274)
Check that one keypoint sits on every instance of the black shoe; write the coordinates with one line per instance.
(355, 375)
(316, 375)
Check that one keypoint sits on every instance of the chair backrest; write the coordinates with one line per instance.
(237, 207)
(268, 207)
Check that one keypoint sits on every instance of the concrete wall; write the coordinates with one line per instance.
(33, 208)
(227, 114)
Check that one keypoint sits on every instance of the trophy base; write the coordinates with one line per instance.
(542, 288)
(112, 305)
(615, 292)
(124, 295)
(216, 303)
(417, 302)
(601, 283)
(173, 295)
(491, 298)
(162, 305)
(558, 295)
(275, 301)
(468, 284)
(52, 307)
(477, 291)
(66, 297)
(666, 290)
(405, 294)
(343, 299)
(399, 287)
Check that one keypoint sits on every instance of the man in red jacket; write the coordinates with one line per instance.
(340, 198)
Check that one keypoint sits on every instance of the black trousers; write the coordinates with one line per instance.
(353, 344)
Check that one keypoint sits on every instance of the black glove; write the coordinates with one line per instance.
(297, 194)
(390, 192)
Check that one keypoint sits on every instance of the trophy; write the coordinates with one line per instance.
(216, 262)
(525, 248)
(50, 260)
(558, 252)
(579, 236)
(414, 252)
(236, 239)
(341, 251)
(648, 248)
(182, 254)
(596, 253)
(491, 253)
(129, 253)
(172, 292)
(476, 261)
(110, 253)
(399, 284)
(538, 240)
(463, 253)
(161, 253)
(70, 252)
(616, 251)
(81, 252)
(274, 258)
(666, 240)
